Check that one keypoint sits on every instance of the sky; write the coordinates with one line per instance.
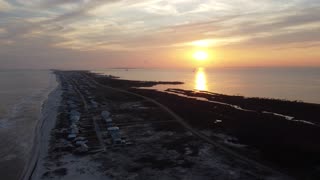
(97, 34)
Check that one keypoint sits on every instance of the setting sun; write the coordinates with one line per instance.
(200, 55)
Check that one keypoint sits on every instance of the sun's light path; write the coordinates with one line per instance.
(201, 80)
(200, 55)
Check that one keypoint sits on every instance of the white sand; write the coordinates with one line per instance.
(77, 167)
(42, 137)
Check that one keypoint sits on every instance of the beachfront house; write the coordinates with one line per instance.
(115, 134)
(74, 116)
(109, 122)
(105, 114)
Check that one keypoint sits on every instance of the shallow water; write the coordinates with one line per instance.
(22, 93)
(301, 84)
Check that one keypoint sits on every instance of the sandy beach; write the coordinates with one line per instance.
(42, 136)
(159, 90)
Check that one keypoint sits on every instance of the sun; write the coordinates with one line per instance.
(200, 55)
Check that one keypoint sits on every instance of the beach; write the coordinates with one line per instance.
(159, 90)
(22, 94)
(176, 134)
(42, 135)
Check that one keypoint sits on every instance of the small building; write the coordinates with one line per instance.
(74, 116)
(74, 112)
(105, 114)
(116, 137)
(74, 119)
(109, 122)
(72, 136)
(74, 129)
(94, 103)
(115, 134)
(112, 129)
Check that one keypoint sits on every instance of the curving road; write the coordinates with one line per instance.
(192, 130)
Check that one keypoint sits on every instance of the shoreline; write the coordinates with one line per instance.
(48, 114)
(153, 137)
(158, 145)
(233, 82)
(285, 139)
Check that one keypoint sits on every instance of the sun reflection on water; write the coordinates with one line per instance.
(201, 80)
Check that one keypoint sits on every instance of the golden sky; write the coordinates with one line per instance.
(91, 34)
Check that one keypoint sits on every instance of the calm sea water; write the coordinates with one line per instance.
(283, 83)
(22, 93)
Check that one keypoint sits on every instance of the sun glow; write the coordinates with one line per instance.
(201, 43)
(200, 55)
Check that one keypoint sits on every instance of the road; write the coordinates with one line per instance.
(193, 130)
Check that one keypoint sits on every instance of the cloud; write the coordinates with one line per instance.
(93, 26)
(53, 3)
(287, 38)
(5, 6)
(128, 26)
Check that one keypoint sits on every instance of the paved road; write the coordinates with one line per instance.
(193, 130)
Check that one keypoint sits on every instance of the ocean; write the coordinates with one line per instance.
(22, 93)
(301, 84)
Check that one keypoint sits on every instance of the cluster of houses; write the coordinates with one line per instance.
(73, 133)
(75, 140)
(113, 130)
(74, 119)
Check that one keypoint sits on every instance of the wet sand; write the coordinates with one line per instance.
(42, 134)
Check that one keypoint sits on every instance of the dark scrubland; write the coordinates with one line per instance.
(292, 146)
(154, 146)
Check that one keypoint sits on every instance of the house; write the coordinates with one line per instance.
(74, 116)
(115, 134)
(109, 122)
(112, 129)
(105, 114)
(94, 103)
